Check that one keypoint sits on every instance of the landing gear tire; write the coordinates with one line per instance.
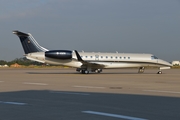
(82, 71)
(98, 70)
(86, 72)
(159, 72)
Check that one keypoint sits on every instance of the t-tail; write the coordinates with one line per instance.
(29, 44)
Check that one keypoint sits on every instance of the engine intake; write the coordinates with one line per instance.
(59, 54)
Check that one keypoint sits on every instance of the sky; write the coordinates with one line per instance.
(126, 26)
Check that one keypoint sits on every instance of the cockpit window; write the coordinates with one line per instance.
(153, 57)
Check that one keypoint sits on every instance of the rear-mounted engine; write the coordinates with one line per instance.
(59, 54)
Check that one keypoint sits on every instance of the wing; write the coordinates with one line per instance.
(86, 64)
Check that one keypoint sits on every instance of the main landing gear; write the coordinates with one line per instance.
(98, 70)
(85, 71)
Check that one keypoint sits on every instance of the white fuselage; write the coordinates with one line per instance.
(104, 60)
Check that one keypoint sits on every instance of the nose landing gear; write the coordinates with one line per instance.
(159, 72)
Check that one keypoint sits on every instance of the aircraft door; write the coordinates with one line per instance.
(96, 57)
(154, 58)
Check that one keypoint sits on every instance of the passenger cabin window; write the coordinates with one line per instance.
(111, 57)
(128, 57)
(153, 57)
(124, 57)
(101, 56)
(106, 56)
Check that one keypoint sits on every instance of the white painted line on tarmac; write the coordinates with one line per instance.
(13, 103)
(71, 93)
(29, 83)
(113, 115)
(90, 87)
(160, 91)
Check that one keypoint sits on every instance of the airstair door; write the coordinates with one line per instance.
(96, 57)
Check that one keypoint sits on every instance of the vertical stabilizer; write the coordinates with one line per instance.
(29, 44)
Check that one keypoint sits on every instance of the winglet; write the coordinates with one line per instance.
(78, 56)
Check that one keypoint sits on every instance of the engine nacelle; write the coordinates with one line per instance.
(59, 54)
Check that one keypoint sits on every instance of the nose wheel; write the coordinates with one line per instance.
(159, 72)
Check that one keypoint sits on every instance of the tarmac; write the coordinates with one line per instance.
(64, 94)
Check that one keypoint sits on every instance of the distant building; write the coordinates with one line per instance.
(176, 63)
(4, 65)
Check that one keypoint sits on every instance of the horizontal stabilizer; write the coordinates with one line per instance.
(18, 33)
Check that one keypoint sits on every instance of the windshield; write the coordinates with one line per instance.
(153, 57)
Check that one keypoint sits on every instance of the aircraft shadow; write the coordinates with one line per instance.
(69, 105)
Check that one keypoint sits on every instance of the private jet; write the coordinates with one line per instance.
(88, 62)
